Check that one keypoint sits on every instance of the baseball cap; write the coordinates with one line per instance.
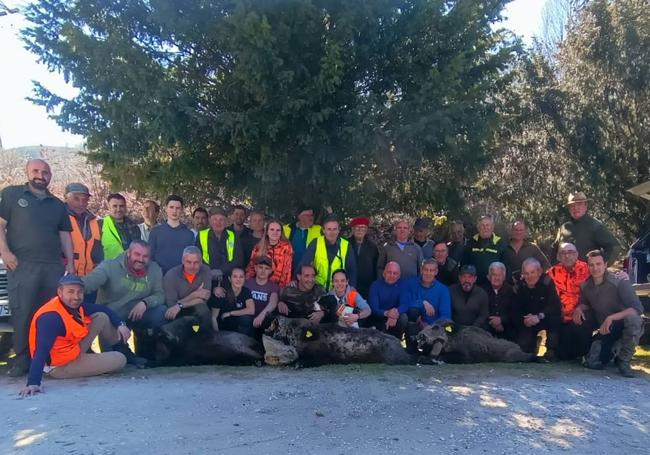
(468, 268)
(422, 223)
(71, 279)
(79, 188)
(264, 260)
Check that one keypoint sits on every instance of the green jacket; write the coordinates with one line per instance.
(587, 234)
(120, 291)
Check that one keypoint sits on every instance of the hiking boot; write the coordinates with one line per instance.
(550, 356)
(17, 370)
(595, 365)
(131, 358)
(625, 369)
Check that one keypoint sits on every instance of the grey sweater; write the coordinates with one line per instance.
(409, 259)
(121, 291)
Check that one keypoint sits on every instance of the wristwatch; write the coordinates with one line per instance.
(180, 305)
(541, 316)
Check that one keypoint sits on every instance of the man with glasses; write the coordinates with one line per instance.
(447, 266)
(568, 275)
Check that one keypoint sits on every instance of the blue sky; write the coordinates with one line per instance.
(22, 123)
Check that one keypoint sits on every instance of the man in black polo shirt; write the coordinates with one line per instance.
(37, 234)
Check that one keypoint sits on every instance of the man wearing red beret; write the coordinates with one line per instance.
(366, 254)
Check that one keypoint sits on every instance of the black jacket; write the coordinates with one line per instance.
(366, 256)
(540, 299)
(501, 303)
(448, 273)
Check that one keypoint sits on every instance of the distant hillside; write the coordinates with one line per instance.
(68, 165)
(37, 151)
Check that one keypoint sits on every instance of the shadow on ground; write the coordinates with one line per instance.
(491, 408)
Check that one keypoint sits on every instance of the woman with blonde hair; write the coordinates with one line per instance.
(275, 246)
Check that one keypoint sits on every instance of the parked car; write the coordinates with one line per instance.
(637, 264)
(5, 312)
(637, 261)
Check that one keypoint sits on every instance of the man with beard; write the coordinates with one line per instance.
(199, 220)
(132, 286)
(61, 334)
(302, 301)
(118, 230)
(34, 234)
(329, 253)
(469, 303)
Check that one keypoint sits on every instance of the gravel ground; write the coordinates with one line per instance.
(335, 410)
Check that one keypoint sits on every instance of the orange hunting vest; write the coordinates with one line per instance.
(82, 248)
(352, 296)
(65, 348)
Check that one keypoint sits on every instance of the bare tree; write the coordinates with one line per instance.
(558, 16)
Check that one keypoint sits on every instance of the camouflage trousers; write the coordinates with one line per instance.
(620, 343)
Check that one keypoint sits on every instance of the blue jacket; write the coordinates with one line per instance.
(414, 294)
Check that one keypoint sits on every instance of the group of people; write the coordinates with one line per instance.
(74, 277)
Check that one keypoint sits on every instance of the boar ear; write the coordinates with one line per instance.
(310, 334)
(449, 326)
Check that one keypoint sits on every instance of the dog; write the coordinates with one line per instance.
(444, 341)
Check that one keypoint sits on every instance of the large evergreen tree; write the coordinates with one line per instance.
(365, 104)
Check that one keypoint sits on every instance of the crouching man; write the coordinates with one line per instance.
(302, 301)
(537, 308)
(617, 311)
(132, 286)
(425, 300)
(187, 290)
(384, 302)
(61, 333)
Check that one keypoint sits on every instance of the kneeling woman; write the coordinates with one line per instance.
(235, 311)
(350, 307)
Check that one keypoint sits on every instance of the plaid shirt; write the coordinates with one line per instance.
(282, 256)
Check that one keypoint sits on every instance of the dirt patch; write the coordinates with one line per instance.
(334, 409)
